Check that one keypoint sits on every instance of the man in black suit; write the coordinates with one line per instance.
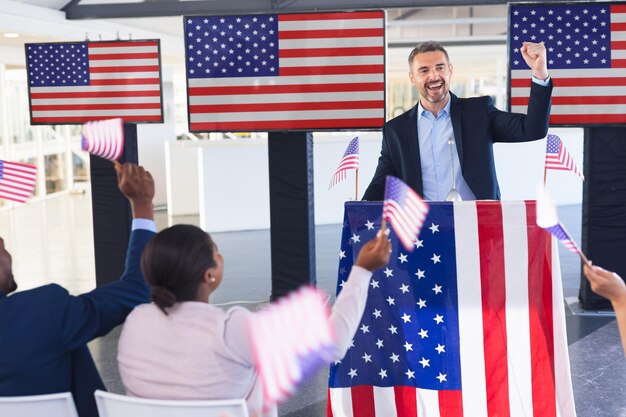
(44, 331)
(446, 142)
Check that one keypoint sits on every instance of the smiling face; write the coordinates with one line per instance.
(430, 72)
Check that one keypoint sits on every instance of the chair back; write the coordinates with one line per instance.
(48, 405)
(116, 405)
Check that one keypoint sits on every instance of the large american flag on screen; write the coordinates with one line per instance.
(586, 52)
(78, 82)
(469, 324)
(288, 71)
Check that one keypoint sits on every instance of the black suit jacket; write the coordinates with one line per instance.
(477, 124)
(44, 331)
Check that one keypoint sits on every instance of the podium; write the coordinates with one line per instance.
(469, 323)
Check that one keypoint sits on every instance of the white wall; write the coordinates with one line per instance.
(182, 177)
(152, 136)
(520, 168)
(228, 184)
(234, 185)
(327, 152)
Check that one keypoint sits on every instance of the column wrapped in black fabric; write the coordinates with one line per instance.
(111, 212)
(604, 207)
(291, 211)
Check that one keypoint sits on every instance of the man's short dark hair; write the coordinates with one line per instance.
(428, 46)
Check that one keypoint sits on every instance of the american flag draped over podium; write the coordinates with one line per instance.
(586, 51)
(471, 323)
(286, 71)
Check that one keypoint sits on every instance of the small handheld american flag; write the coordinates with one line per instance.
(547, 219)
(17, 181)
(558, 158)
(405, 210)
(284, 362)
(350, 160)
(104, 138)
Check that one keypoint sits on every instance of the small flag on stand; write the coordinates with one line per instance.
(405, 210)
(17, 181)
(547, 219)
(349, 161)
(104, 138)
(285, 361)
(558, 158)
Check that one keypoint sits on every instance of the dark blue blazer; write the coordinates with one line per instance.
(477, 124)
(44, 331)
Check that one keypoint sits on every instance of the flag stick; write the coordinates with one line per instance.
(545, 173)
(581, 254)
(383, 224)
(356, 186)
(583, 257)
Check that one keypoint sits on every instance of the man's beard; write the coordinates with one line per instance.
(429, 98)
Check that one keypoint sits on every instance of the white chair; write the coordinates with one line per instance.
(48, 405)
(116, 405)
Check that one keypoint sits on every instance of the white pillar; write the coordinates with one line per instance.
(69, 163)
(4, 130)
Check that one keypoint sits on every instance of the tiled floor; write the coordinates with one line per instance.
(52, 241)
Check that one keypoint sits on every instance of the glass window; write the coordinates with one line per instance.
(55, 173)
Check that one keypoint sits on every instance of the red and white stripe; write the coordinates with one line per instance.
(17, 182)
(332, 76)
(125, 81)
(514, 357)
(584, 96)
(399, 401)
(104, 138)
(347, 163)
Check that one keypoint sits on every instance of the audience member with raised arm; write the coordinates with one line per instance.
(181, 347)
(610, 285)
(44, 331)
(443, 146)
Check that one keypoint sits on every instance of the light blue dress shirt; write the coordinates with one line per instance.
(146, 224)
(438, 157)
